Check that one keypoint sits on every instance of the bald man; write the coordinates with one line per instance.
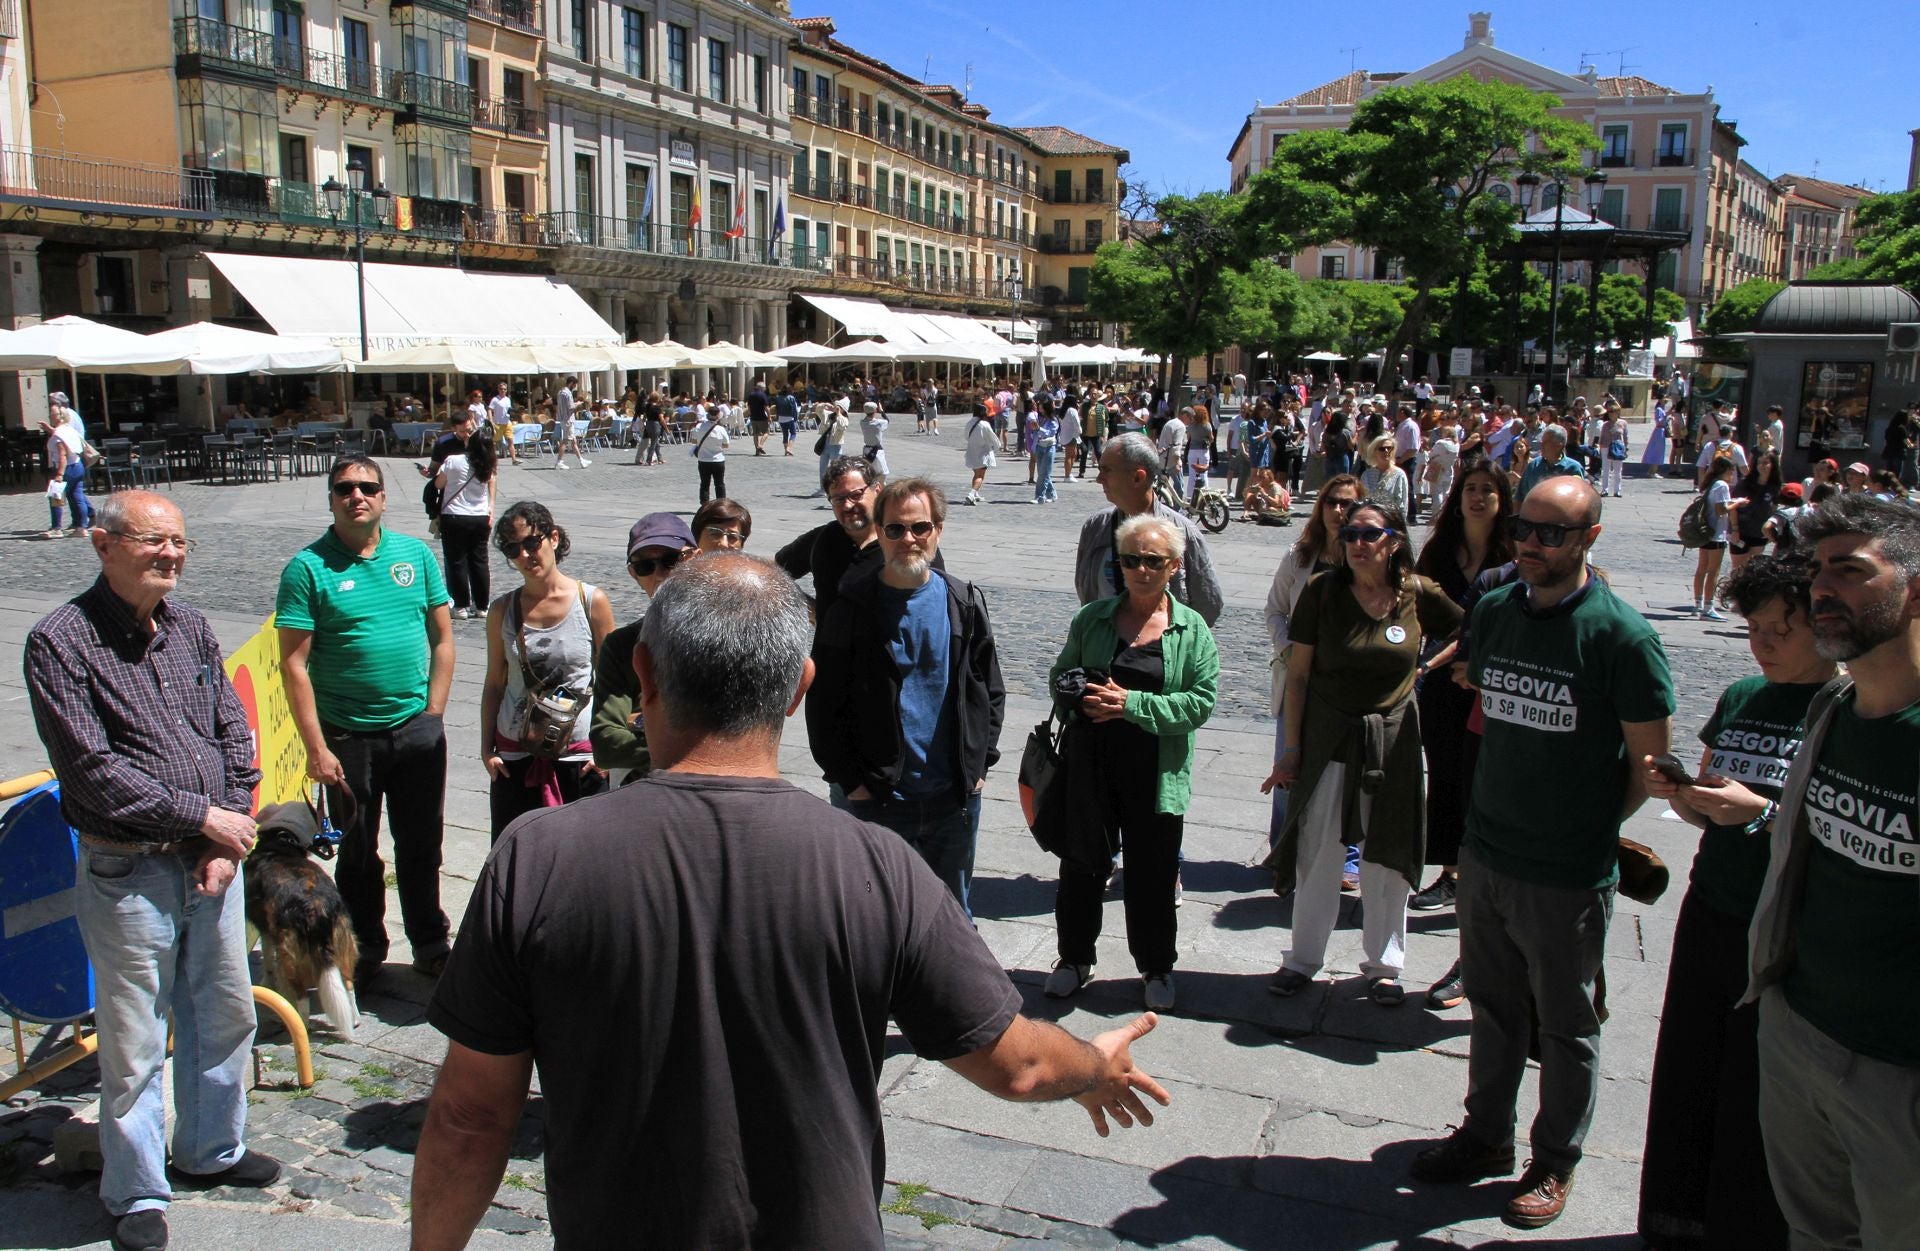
(1573, 683)
(156, 773)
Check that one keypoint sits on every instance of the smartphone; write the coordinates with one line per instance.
(1668, 766)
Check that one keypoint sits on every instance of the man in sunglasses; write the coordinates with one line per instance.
(656, 546)
(366, 650)
(907, 701)
(831, 551)
(1573, 684)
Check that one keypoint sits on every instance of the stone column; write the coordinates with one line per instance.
(702, 379)
(618, 300)
(190, 299)
(607, 383)
(776, 324)
(23, 396)
(744, 336)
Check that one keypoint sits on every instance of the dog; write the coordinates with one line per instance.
(295, 912)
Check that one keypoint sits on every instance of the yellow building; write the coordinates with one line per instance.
(906, 191)
(509, 117)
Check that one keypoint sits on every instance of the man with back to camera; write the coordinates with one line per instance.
(726, 1096)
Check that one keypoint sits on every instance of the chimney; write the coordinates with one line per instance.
(1913, 164)
(1479, 29)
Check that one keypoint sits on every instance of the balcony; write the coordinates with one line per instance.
(1616, 159)
(323, 73)
(1673, 157)
(64, 180)
(438, 97)
(505, 226)
(522, 13)
(623, 234)
(1076, 195)
(201, 44)
(255, 197)
(512, 115)
(1063, 245)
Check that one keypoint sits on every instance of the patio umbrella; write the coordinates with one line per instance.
(803, 352)
(87, 346)
(214, 349)
(724, 353)
(1323, 356)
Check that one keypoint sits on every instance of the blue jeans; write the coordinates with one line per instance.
(942, 832)
(160, 948)
(76, 480)
(1043, 488)
(827, 455)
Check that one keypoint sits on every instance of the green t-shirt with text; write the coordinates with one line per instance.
(1554, 688)
(368, 617)
(1751, 739)
(1859, 912)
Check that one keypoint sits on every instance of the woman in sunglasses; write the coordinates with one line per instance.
(1353, 757)
(536, 704)
(1149, 674)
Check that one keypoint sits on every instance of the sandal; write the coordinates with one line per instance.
(1288, 982)
(1387, 992)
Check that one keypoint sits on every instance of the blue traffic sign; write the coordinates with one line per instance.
(44, 972)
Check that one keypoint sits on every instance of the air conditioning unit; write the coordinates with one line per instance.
(1903, 336)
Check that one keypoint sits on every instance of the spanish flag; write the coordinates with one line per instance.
(693, 214)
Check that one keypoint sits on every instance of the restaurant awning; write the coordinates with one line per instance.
(411, 305)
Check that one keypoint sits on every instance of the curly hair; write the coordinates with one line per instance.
(538, 521)
(1765, 578)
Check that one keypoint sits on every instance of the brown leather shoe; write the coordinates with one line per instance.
(1540, 1197)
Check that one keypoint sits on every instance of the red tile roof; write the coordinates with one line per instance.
(1059, 141)
(1631, 84)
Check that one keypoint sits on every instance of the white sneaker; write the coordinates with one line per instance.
(1158, 992)
(560, 464)
(584, 462)
(1067, 979)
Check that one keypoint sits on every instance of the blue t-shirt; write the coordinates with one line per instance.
(919, 640)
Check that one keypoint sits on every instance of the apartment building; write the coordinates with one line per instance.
(1819, 226)
(908, 191)
(1654, 142)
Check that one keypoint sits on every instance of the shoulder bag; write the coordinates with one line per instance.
(553, 709)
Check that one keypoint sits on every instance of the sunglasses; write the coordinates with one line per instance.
(346, 487)
(897, 530)
(643, 566)
(1364, 534)
(1550, 534)
(732, 538)
(1143, 560)
(512, 549)
(1338, 506)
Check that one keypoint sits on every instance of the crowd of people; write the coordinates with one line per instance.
(644, 838)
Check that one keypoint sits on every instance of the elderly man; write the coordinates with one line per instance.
(1128, 467)
(830, 551)
(726, 1095)
(904, 718)
(156, 773)
(1573, 683)
(1552, 461)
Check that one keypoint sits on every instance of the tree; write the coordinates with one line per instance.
(1412, 178)
(1739, 307)
(1302, 321)
(1187, 290)
(1886, 243)
(1494, 312)
(1363, 315)
(1620, 313)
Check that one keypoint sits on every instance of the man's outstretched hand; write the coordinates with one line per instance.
(1118, 1092)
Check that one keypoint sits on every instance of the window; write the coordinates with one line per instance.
(823, 172)
(435, 159)
(761, 77)
(718, 210)
(356, 49)
(362, 158)
(800, 241)
(1613, 206)
(822, 240)
(1062, 186)
(639, 206)
(1501, 192)
(289, 39)
(1333, 267)
(1077, 285)
(680, 209)
(1062, 231)
(293, 159)
(677, 57)
(577, 27)
(1096, 186)
(1667, 213)
(476, 77)
(583, 197)
(476, 186)
(230, 127)
(1093, 231)
(717, 71)
(513, 192)
(513, 86)
(799, 89)
(758, 226)
(1614, 152)
(1673, 143)
(633, 38)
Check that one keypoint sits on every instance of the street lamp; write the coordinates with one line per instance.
(382, 211)
(1015, 290)
(1530, 184)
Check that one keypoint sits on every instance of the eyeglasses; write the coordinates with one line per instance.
(1549, 534)
(156, 542)
(897, 530)
(732, 538)
(849, 497)
(347, 486)
(1338, 505)
(1363, 534)
(1143, 560)
(643, 566)
(513, 549)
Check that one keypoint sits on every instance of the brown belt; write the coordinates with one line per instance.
(196, 843)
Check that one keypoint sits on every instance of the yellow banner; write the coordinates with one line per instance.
(254, 669)
(403, 212)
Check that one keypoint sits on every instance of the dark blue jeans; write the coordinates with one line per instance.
(942, 831)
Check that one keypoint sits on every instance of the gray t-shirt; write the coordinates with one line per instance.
(703, 968)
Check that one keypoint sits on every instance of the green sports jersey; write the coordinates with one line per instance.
(1751, 739)
(368, 617)
(1859, 913)
(1554, 687)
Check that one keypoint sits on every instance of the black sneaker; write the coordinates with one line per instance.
(141, 1231)
(1449, 991)
(1460, 1158)
(1437, 896)
(251, 1172)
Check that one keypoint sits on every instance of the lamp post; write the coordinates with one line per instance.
(383, 212)
(1530, 184)
(1014, 289)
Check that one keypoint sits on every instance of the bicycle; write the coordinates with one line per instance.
(1209, 506)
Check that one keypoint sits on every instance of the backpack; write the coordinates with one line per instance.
(1696, 525)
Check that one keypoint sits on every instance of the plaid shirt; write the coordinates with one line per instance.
(145, 732)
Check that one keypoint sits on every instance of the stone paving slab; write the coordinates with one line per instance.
(1293, 1118)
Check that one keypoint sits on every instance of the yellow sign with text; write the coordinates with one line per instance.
(254, 670)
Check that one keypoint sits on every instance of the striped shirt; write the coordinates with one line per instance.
(144, 731)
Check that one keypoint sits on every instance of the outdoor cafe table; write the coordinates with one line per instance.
(413, 434)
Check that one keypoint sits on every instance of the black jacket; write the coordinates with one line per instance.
(853, 709)
(830, 556)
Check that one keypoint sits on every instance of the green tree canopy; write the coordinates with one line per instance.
(1362, 316)
(1740, 306)
(1188, 290)
(1411, 177)
(1886, 244)
(1620, 313)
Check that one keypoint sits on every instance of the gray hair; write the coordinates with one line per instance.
(1146, 524)
(110, 512)
(729, 637)
(1896, 525)
(1137, 452)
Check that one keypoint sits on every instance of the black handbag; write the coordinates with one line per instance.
(1043, 791)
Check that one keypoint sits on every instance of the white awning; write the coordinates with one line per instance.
(862, 319)
(411, 305)
(1008, 328)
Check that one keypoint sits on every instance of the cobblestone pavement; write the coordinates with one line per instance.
(1293, 1119)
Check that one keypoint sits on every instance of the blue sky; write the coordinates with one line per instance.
(1833, 82)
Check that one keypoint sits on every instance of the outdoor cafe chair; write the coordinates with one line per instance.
(150, 458)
